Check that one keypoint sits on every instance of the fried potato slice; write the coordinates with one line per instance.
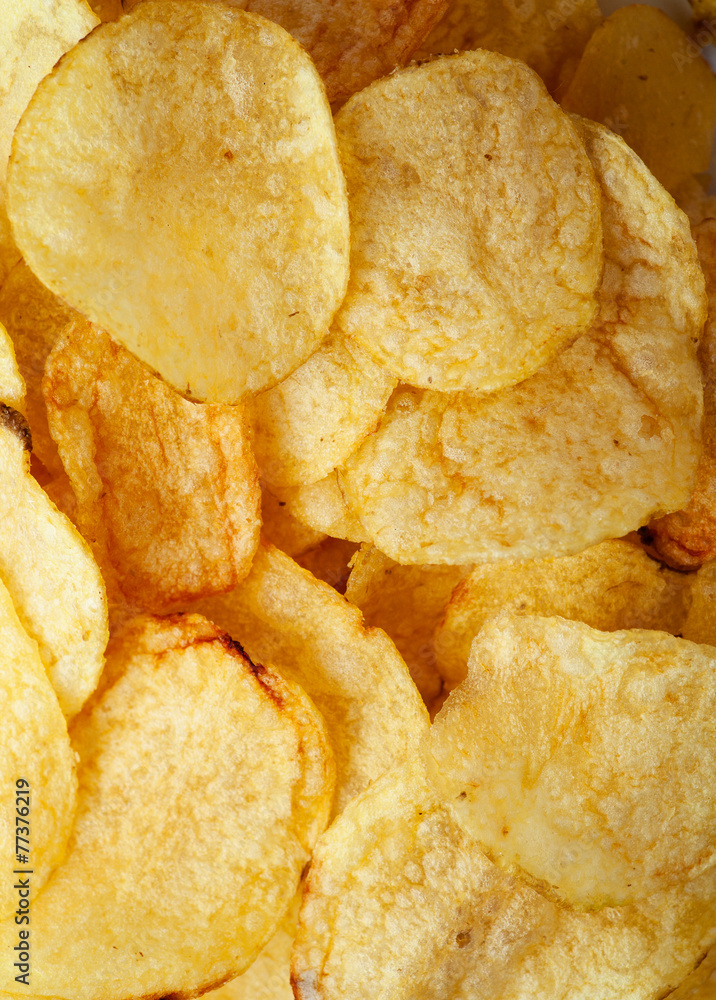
(700, 624)
(36, 763)
(283, 616)
(687, 538)
(476, 236)
(176, 180)
(400, 904)
(610, 586)
(48, 568)
(601, 439)
(167, 490)
(33, 36)
(407, 602)
(549, 35)
(282, 529)
(322, 506)
(640, 77)
(583, 757)
(309, 423)
(12, 385)
(204, 783)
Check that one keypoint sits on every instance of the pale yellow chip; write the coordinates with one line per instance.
(476, 236)
(283, 616)
(176, 180)
(322, 506)
(204, 783)
(309, 423)
(401, 905)
(598, 441)
(407, 602)
(283, 530)
(12, 384)
(641, 77)
(33, 36)
(549, 35)
(38, 787)
(610, 586)
(585, 758)
(167, 490)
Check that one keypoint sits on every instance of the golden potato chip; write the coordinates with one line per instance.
(34, 317)
(585, 758)
(283, 616)
(38, 786)
(407, 602)
(476, 237)
(204, 783)
(546, 34)
(48, 569)
(176, 180)
(330, 561)
(598, 441)
(640, 78)
(282, 529)
(12, 386)
(167, 490)
(33, 36)
(700, 624)
(107, 10)
(309, 423)
(400, 903)
(322, 506)
(610, 586)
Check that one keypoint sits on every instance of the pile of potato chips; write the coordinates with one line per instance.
(358, 500)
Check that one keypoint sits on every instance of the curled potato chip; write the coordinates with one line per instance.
(591, 446)
(167, 490)
(48, 569)
(176, 180)
(33, 36)
(546, 34)
(583, 757)
(639, 76)
(476, 235)
(38, 786)
(309, 423)
(282, 529)
(300, 625)
(610, 586)
(204, 783)
(322, 506)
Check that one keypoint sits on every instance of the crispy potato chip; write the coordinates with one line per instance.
(476, 237)
(283, 530)
(546, 34)
(33, 36)
(610, 586)
(330, 561)
(407, 602)
(400, 903)
(176, 180)
(585, 758)
(309, 423)
(34, 317)
(700, 624)
(640, 77)
(48, 569)
(687, 538)
(322, 507)
(12, 385)
(167, 490)
(301, 626)
(38, 786)
(352, 42)
(204, 783)
(593, 445)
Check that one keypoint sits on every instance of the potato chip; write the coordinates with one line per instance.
(700, 624)
(400, 903)
(476, 237)
(701, 983)
(330, 561)
(546, 34)
(407, 602)
(48, 569)
(640, 77)
(107, 10)
(584, 757)
(204, 783)
(38, 786)
(610, 586)
(33, 36)
(12, 386)
(322, 506)
(167, 490)
(34, 317)
(176, 180)
(597, 442)
(283, 616)
(283, 530)
(309, 423)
